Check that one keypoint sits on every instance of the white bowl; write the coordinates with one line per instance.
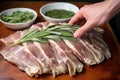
(58, 5)
(17, 26)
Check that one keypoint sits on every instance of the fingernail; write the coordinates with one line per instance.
(75, 35)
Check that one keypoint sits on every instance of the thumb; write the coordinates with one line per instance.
(82, 30)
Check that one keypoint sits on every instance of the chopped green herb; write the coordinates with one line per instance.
(59, 13)
(18, 17)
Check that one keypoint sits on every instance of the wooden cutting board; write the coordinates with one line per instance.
(108, 70)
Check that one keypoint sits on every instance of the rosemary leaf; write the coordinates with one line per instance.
(68, 38)
(40, 34)
(30, 33)
(50, 26)
(53, 37)
(53, 28)
(65, 33)
(55, 33)
(75, 27)
(42, 40)
(66, 28)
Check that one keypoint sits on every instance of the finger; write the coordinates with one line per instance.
(76, 18)
(82, 30)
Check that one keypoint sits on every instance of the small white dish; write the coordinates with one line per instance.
(17, 26)
(58, 5)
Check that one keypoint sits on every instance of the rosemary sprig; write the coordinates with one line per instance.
(54, 32)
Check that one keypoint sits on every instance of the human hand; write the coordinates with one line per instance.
(95, 14)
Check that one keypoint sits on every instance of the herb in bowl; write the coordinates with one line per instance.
(59, 13)
(17, 17)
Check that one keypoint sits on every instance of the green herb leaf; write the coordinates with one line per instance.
(68, 38)
(65, 33)
(53, 37)
(41, 33)
(42, 40)
(54, 32)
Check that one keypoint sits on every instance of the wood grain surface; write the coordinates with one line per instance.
(108, 70)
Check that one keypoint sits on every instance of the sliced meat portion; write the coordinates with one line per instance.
(39, 26)
(81, 52)
(8, 55)
(11, 38)
(96, 54)
(28, 60)
(96, 37)
(95, 32)
(62, 51)
(36, 26)
(56, 66)
(33, 47)
(19, 56)
(100, 44)
(31, 62)
(71, 57)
